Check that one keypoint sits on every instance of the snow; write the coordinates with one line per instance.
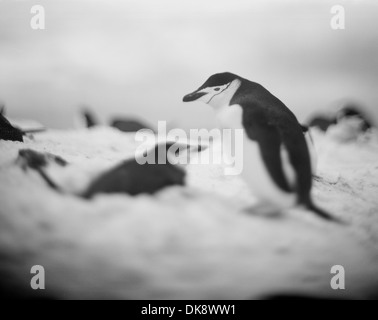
(204, 241)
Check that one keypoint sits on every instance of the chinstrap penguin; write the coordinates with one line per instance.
(34, 160)
(352, 113)
(134, 178)
(276, 158)
(127, 125)
(159, 171)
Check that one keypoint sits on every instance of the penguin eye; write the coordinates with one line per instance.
(216, 89)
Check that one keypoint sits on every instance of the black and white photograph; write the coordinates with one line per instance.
(187, 150)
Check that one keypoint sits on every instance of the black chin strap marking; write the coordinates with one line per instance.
(219, 92)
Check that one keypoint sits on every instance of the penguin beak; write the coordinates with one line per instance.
(193, 96)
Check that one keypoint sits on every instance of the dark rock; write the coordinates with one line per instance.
(8, 132)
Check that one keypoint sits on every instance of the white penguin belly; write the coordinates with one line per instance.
(255, 172)
(313, 154)
(288, 169)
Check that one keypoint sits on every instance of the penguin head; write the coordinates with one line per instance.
(217, 91)
(353, 117)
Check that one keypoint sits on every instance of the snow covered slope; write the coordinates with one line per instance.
(199, 242)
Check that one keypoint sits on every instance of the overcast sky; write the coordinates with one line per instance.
(139, 58)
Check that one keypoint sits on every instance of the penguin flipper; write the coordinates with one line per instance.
(292, 137)
(299, 154)
(270, 147)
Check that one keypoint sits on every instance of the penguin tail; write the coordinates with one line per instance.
(322, 213)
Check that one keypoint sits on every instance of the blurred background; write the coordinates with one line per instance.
(138, 58)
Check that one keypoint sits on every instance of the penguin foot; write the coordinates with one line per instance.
(324, 214)
(265, 210)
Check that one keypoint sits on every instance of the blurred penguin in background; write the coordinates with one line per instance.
(89, 118)
(352, 124)
(133, 177)
(149, 172)
(322, 122)
(352, 112)
(349, 123)
(127, 125)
